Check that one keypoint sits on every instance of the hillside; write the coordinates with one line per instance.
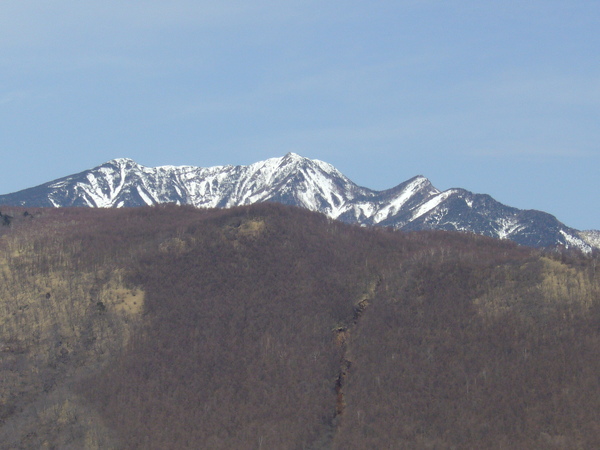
(272, 327)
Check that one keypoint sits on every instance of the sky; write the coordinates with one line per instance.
(498, 97)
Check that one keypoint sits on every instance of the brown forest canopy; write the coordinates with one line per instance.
(275, 328)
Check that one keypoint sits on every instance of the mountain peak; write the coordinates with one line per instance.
(122, 162)
(294, 158)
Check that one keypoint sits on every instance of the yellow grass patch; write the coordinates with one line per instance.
(559, 284)
(252, 228)
(129, 301)
(562, 283)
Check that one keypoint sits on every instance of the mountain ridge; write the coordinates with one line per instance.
(316, 185)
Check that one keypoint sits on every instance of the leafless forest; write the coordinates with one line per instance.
(270, 327)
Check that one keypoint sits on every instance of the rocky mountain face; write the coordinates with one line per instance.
(312, 184)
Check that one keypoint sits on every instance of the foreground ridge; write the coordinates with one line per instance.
(272, 327)
(311, 184)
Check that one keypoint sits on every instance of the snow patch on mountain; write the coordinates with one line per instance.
(507, 226)
(431, 204)
(591, 237)
(397, 203)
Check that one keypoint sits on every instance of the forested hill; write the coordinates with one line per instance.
(273, 327)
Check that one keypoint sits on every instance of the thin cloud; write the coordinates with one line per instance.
(19, 97)
(30, 23)
(542, 88)
(532, 150)
(13, 97)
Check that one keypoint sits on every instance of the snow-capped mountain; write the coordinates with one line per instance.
(312, 184)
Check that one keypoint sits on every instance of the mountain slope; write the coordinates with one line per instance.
(267, 326)
(294, 180)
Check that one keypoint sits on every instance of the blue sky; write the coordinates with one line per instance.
(499, 97)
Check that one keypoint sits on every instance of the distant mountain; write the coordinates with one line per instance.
(312, 184)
